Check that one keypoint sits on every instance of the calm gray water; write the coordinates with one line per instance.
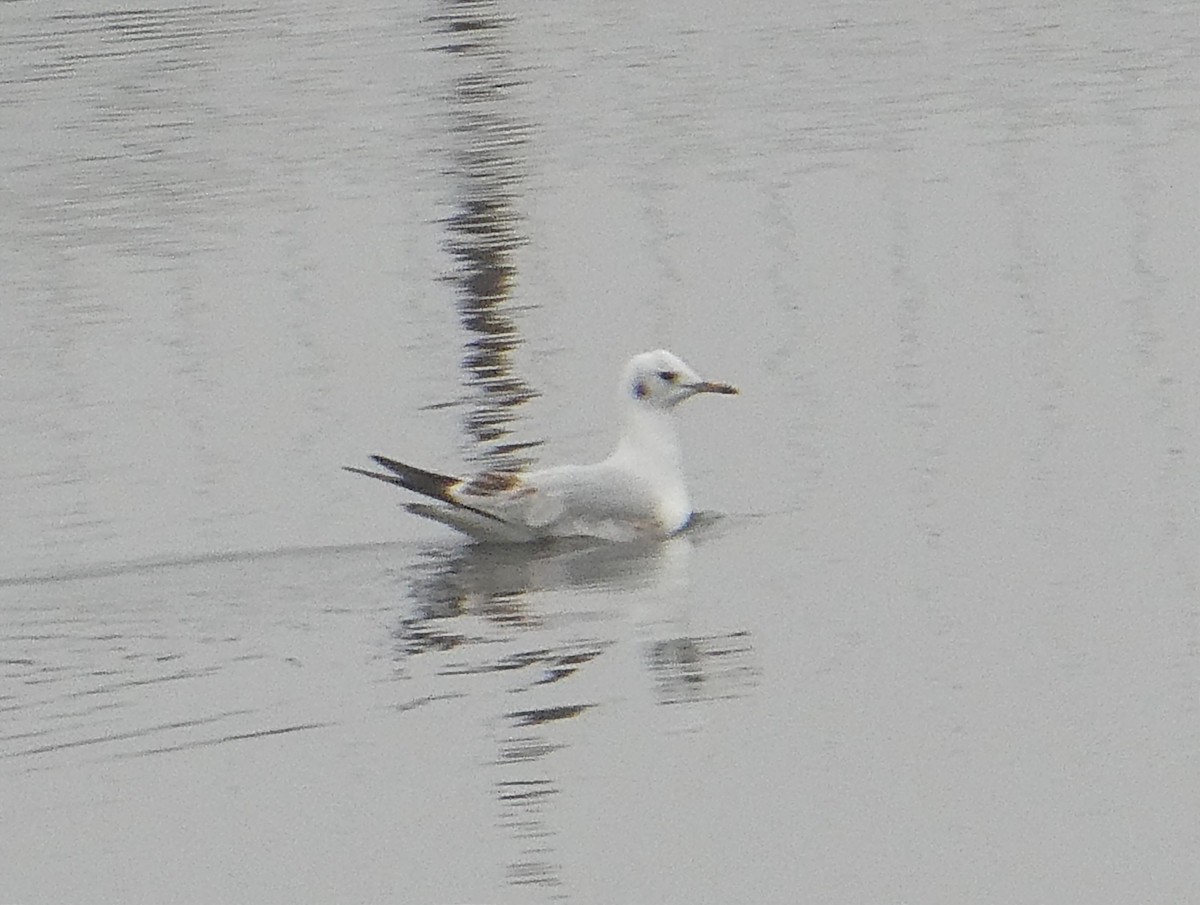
(935, 639)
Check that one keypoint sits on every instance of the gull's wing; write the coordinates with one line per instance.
(571, 500)
(486, 506)
(418, 480)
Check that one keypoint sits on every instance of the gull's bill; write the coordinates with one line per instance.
(638, 491)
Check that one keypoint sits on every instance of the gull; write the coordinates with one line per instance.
(638, 491)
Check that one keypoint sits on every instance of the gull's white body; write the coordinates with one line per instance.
(638, 491)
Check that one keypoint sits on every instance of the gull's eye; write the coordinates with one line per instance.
(669, 376)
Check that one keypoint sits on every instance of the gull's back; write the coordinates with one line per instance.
(606, 500)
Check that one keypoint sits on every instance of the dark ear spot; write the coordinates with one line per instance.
(640, 390)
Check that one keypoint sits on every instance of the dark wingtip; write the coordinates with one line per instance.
(391, 479)
(418, 480)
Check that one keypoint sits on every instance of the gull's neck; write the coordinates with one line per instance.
(649, 443)
(650, 449)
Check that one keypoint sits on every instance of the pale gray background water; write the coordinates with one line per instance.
(938, 640)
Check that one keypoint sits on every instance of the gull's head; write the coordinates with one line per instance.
(661, 380)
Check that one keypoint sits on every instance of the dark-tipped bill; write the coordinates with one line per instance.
(710, 386)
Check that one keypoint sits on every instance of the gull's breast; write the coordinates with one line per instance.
(674, 509)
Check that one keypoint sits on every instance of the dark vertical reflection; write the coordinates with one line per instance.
(485, 230)
(483, 235)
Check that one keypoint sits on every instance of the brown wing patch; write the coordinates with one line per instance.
(492, 483)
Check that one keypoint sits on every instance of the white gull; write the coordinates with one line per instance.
(638, 491)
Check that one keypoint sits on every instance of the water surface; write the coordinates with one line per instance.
(935, 638)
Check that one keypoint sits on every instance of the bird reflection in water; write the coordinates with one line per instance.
(707, 668)
(534, 618)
